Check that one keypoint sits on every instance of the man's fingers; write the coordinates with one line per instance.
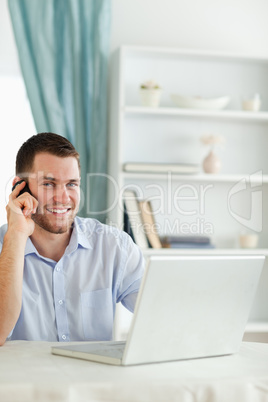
(25, 203)
(28, 206)
(17, 190)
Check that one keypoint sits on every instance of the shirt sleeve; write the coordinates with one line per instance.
(2, 234)
(131, 273)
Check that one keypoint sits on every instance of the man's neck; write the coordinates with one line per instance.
(50, 245)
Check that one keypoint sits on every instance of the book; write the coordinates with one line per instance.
(188, 245)
(179, 168)
(127, 225)
(132, 209)
(193, 239)
(149, 224)
(189, 241)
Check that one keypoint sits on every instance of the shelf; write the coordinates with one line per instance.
(257, 327)
(197, 113)
(213, 178)
(155, 51)
(216, 251)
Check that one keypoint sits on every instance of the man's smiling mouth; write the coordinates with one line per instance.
(58, 211)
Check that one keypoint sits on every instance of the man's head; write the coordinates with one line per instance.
(51, 143)
(50, 165)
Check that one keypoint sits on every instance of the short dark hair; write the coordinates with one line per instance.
(43, 142)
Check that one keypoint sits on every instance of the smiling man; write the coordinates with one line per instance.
(60, 275)
(57, 191)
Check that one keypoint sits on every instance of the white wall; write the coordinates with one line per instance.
(9, 64)
(227, 25)
(16, 119)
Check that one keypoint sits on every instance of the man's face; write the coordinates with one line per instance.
(55, 183)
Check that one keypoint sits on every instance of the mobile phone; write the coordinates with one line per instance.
(25, 188)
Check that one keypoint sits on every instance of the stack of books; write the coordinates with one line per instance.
(140, 224)
(139, 221)
(189, 241)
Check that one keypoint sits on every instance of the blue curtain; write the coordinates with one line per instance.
(63, 48)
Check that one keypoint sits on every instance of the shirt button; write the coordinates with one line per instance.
(58, 269)
(60, 301)
(64, 337)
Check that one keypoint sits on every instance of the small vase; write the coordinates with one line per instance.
(150, 97)
(211, 163)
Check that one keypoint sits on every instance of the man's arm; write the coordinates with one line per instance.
(20, 227)
(133, 270)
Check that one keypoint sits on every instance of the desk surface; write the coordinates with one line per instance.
(30, 373)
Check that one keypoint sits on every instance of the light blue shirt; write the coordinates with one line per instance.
(74, 299)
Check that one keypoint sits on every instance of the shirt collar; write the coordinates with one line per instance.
(29, 248)
(80, 236)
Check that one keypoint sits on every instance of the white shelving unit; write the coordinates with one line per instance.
(215, 205)
(219, 115)
(263, 179)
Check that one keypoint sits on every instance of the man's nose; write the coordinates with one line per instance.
(61, 195)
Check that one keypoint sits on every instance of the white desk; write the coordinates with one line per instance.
(29, 373)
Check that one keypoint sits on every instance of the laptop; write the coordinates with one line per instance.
(187, 307)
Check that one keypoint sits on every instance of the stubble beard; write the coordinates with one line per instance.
(43, 221)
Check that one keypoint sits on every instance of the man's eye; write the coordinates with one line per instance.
(72, 185)
(47, 184)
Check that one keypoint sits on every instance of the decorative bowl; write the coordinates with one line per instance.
(199, 102)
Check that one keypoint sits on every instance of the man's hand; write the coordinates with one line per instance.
(20, 226)
(20, 209)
